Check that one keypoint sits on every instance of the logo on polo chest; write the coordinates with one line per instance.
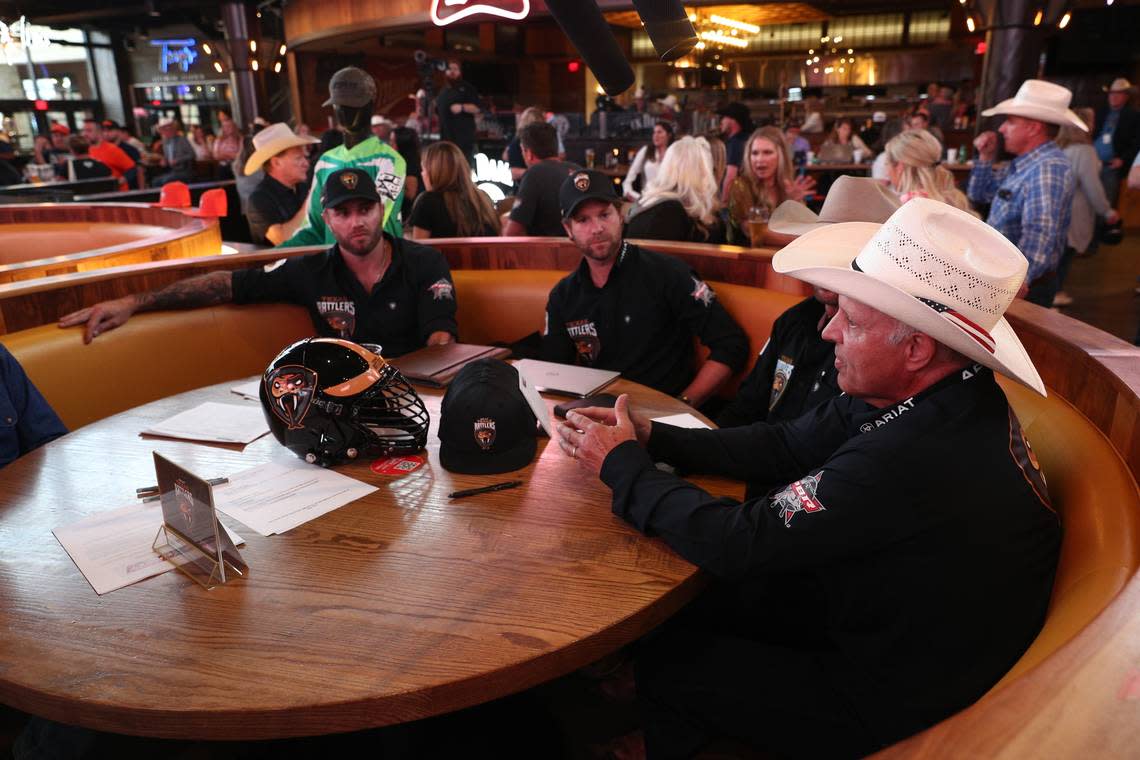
(441, 290)
(798, 497)
(339, 313)
(587, 345)
(702, 292)
(784, 368)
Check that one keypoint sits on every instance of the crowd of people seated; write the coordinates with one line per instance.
(855, 400)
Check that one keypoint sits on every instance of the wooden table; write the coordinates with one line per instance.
(398, 606)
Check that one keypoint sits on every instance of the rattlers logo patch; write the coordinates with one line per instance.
(784, 369)
(185, 500)
(340, 313)
(442, 290)
(289, 391)
(587, 345)
(798, 497)
(348, 179)
(581, 182)
(485, 433)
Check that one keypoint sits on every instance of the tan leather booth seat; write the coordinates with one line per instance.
(161, 353)
(1094, 492)
(152, 356)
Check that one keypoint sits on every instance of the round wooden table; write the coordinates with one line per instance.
(398, 606)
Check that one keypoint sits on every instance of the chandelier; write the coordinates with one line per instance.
(831, 57)
(715, 30)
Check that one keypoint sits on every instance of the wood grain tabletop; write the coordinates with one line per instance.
(398, 606)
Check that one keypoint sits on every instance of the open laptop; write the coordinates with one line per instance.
(566, 379)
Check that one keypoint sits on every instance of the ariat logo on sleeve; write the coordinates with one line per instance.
(702, 292)
(798, 497)
(442, 290)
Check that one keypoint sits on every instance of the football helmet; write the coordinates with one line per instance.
(330, 400)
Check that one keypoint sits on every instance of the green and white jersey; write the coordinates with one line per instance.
(373, 156)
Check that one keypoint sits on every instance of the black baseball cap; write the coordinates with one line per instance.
(351, 87)
(347, 184)
(582, 186)
(485, 423)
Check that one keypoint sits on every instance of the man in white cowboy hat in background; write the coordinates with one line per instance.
(1031, 198)
(275, 206)
(903, 556)
(795, 371)
(1118, 136)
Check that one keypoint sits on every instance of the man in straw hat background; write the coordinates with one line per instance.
(795, 371)
(1032, 197)
(275, 205)
(1118, 137)
(903, 556)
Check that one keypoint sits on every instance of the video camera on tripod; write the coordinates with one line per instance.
(426, 66)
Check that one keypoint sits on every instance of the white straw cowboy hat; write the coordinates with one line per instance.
(1040, 100)
(850, 199)
(272, 140)
(1120, 84)
(931, 266)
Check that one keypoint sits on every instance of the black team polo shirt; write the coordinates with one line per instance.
(415, 298)
(273, 203)
(642, 322)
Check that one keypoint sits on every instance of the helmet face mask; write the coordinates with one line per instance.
(330, 400)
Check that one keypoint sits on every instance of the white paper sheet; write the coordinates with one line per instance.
(274, 498)
(685, 420)
(113, 549)
(214, 422)
(250, 390)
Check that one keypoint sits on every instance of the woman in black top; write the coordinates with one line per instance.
(680, 202)
(451, 205)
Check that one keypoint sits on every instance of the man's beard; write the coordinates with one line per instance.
(349, 245)
(610, 252)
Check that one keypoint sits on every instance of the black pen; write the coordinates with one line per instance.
(485, 489)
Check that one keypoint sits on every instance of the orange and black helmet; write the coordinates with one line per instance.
(330, 400)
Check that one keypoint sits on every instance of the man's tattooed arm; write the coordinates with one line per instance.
(204, 290)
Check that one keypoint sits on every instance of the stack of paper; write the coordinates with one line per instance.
(273, 498)
(216, 423)
(113, 549)
(250, 390)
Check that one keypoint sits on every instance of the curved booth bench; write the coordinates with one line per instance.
(43, 240)
(1065, 691)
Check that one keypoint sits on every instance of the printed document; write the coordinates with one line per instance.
(215, 423)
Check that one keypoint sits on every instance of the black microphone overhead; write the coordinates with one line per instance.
(582, 22)
(668, 27)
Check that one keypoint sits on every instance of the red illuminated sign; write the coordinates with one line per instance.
(41, 105)
(573, 66)
(444, 12)
(981, 48)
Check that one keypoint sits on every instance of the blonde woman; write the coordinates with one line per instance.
(1089, 200)
(766, 180)
(680, 203)
(914, 164)
(451, 205)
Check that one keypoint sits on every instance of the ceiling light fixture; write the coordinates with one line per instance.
(734, 24)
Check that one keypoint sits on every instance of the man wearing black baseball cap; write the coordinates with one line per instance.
(633, 310)
(735, 127)
(369, 287)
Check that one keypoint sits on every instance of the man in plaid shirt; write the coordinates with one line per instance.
(1032, 197)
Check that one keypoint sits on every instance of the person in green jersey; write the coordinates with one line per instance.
(352, 94)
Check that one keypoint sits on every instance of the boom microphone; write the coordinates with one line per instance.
(668, 27)
(582, 22)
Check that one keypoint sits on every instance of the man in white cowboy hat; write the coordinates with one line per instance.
(795, 371)
(1118, 137)
(382, 127)
(1032, 197)
(280, 196)
(903, 556)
